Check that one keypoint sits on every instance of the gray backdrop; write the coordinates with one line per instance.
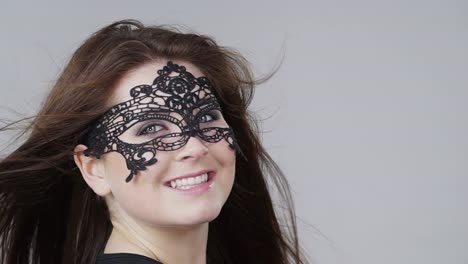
(367, 115)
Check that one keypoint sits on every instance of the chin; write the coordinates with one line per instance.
(199, 217)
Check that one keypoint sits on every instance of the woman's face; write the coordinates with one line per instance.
(177, 186)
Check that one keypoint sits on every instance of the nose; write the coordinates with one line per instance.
(193, 149)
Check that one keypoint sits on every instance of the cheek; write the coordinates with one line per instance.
(142, 188)
(126, 194)
(135, 198)
(115, 167)
(224, 154)
(226, 158)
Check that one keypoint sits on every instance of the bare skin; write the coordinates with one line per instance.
(149, 217)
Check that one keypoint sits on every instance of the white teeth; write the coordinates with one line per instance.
(187, 183)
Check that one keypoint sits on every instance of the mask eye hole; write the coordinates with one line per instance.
(150, 129)
(213, 118)
(208, 117)
(147, 130)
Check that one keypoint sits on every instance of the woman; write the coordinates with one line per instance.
(144, 152)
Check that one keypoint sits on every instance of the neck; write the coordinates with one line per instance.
(169, 245)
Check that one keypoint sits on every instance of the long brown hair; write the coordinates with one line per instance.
(49, 215)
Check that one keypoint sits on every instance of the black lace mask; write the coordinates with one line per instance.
(181, 105)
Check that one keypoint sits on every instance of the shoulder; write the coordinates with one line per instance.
(124, 258)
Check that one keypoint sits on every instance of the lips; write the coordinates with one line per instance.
(190, 175)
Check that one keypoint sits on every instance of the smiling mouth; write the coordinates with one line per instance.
(189, 182)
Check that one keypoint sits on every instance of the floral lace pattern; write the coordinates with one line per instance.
(177, 98)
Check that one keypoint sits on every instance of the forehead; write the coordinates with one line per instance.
(144, 74)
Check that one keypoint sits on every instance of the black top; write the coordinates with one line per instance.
(124, 258)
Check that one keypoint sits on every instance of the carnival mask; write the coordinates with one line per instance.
(184, 106)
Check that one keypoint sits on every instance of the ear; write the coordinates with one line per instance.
(92, 170)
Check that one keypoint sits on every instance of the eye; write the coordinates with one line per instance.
(150, 129)
(208, 117)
